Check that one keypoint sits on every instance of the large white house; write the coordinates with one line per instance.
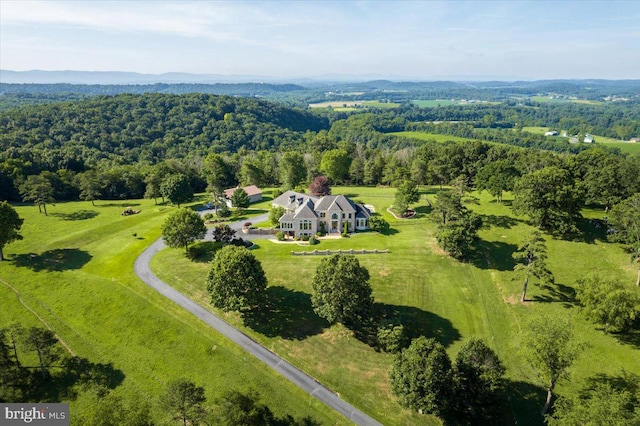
(306, 214)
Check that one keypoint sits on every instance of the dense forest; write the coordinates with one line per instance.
(125, 142)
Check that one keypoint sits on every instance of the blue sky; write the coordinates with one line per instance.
(396, 39)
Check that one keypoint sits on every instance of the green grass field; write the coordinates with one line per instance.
(628, 147)
(74, 268)
(430, 136)
(434, 103)
(352, 105)
(436, 296)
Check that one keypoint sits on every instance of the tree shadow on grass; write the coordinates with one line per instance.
(491, 220)
(417, 322)
(557, 293)
(203, 251)
(422, 211)
(494, 255)
(625, 381)
(287, 314)
(591, 230)
(75, 373)
(525, 401)
(118, 205)
(77, 215)
(53, 260)
(630, 337)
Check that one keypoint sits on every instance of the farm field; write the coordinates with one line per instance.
(434, 103)
(430, 136)
(74, 268)
(627, 147)
(351, 105)
(435, 296)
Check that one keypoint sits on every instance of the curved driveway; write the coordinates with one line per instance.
(291, 373)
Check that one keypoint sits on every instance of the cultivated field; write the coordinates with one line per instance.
(435, 296)
(74, 268)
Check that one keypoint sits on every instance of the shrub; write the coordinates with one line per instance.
(391, 337)
(305, 238)
(276, 193)
(208, 216)
(313, 241)
(280, 236)
(224, 211)
(345, 229)
(378, 224)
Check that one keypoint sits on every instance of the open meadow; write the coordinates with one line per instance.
(424, 136)
(352, 105)
(435, 296)
(624, 146)
(74, 269)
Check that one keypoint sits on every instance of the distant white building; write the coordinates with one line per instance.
(588, 138)
(551, 133)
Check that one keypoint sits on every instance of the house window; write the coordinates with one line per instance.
(349, 215)
(321, 214)
(343, 216)
(334, 216)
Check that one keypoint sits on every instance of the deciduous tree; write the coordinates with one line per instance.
(624, 220)
(608, 302)
(320, 186)
(223, 233)
(478, 381)
(550, 347)
(421, 377)
(185, 401)
(335, 164)
(182, 228)
(550, 198)
(236, 280)
(275, 214)
(39, 190)
(292, 169)
(10, 224)
(378, 224)
(600, 403)
(406, 194)
(341, 290)
(90, 187)
(496, 178)
(177, 189)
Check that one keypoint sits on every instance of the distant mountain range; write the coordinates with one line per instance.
(122, 77)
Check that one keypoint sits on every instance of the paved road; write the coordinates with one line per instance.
(293, 374)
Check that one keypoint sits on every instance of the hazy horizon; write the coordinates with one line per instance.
(414, 40)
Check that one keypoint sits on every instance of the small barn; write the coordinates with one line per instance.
(254, 193)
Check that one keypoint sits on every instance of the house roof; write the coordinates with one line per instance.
(305, 211)
(335, 203)
(362, 212)
(290, 199)
(250, 190)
